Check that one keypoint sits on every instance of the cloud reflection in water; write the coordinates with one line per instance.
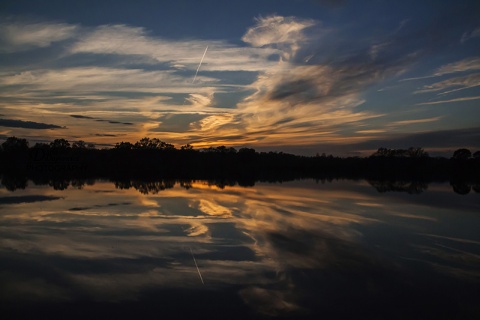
(298, 248)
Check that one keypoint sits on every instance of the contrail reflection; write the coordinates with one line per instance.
(196, 265)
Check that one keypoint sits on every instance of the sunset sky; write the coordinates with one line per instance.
(301, 76)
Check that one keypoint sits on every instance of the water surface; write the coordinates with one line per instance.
(300, 249)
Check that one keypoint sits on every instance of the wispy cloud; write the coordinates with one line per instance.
(465, 65)
(127, 40)
(371, 131)
(288, 83)
(76, 116)
(468, 64)
(463, 82)
(20, 36)
(469, 35)
(97, 79)
(302, 104)
(284, 33)
(416, 121)
(27, 124)
(450, 101)
(440, 142)
(27, 199)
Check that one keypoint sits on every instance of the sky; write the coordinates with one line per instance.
(340, 77)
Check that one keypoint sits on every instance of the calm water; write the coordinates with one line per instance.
(299, 249)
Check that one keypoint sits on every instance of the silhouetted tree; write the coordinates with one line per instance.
(124, 146)
(41, 145)
(60, 144)
(154, 143)
(401, 153)
(476, 155)
(462, 154)
(383, 152)
(15, 144)
(167, 146)
(246, 151)
(476, 188)
(221, 149)
(187, 184)
(78, 183)
(80, 144)
(416, 152)
(13, 183)
(59, 184)
(460, 187)
(186, 147)
(411, 187)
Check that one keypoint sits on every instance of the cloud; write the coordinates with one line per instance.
(106, 135)
(470, 35)
(213, 123)
(331, 3)
(306, 104)
(80, 116)
(135, 41)
(178, 122)
(108, 205)
(449, 140)
(100, 120)
(284, 33)
(436, 142)
(465, 65)
(200, 101)
(82, 80)
(450, 101)
(285, 101)
(18, 36)
(293, 81)
(27, 124)
(214, 209)
(270, 302)
(468, 64)
(27, 199)
(416, 121)
(309, 97)
(463, 82)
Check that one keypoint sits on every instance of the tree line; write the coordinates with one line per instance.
(151, 157)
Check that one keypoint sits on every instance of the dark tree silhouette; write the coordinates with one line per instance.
(460, 187)
(221, 149)
(41, 145)
(411, 187)
(152, 158)
(13, 183)
(154, 143)
(60, 144)
(410, 152)
(416, 152)
(80, 144)
(15, 144)
(462, 154)
(186, 147)
(124, 146)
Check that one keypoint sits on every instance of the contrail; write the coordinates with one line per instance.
(191, 248)
(200, 64)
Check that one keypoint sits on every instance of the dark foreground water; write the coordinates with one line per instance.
(340, 250)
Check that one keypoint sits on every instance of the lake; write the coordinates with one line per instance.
(301, 249)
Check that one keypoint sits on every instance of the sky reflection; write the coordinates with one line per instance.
(293, 249)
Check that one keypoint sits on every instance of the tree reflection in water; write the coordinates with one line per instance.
(293, 250)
